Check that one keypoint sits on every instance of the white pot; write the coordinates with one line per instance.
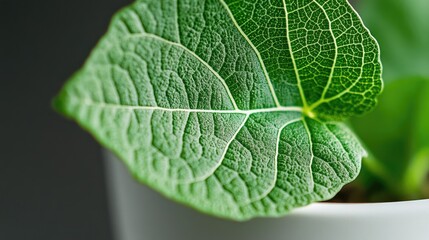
(139, 213)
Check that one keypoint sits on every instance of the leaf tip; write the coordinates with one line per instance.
(61, 104)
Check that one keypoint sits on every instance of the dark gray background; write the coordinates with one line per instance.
(51, 172)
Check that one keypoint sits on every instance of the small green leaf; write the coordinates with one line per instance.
(397, 134)
(227, 106)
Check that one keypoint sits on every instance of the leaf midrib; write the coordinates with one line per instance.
(238, 111)
(308, 110)
(247, 114)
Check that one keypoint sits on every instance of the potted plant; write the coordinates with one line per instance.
(237, 109)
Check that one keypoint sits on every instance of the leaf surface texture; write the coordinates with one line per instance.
(230, 106)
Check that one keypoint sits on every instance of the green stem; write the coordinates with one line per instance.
(415, 175)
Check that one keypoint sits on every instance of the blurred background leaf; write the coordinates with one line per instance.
(397, 132)
(402, 29)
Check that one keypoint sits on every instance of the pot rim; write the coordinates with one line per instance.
(342, 209)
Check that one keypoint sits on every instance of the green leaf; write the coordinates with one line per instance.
(397, 134)
(401, 27)
(224, 105)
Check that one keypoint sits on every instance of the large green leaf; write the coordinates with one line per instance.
(402, 29)
(224, 105)
(397, 134)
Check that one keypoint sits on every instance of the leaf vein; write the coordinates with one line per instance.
(258, 54)
(270, 189)
(158, 38)
(298, 78)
